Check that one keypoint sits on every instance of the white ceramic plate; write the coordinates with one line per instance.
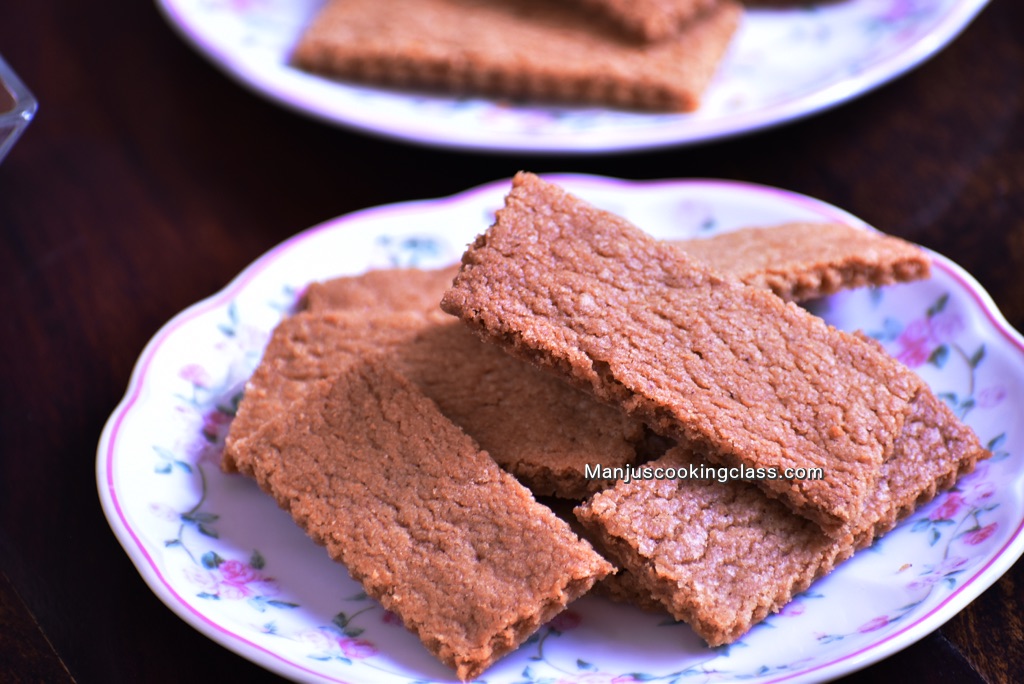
(783, 65)
(221, 554)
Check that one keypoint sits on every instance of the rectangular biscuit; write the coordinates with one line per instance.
(304, 349)
(520, 49)
(648, 20)
(803, 260)
(537, 427)
(722, 557)
(421, 517)
(623, 586)
(729, 369)
(389, 289)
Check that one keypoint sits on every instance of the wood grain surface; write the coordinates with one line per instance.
(149, 179)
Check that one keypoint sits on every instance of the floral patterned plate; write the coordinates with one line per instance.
(222, 556)
(784, 64)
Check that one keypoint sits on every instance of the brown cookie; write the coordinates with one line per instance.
(518, 49)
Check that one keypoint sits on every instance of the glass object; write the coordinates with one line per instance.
(17, 107)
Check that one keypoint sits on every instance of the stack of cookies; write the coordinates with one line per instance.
(424, 457)
(738, 378)
(647, 55)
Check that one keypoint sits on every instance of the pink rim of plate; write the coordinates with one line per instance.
(987, 575)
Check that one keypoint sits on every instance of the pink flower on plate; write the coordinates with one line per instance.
(914, 357)
(208, 452)
(215, 424)
(916, 332)
(991, 397)
(923, 582)
(944, 569)
(565, 621)
(975, 537)
(945, 326)
(318, 640)
(240, 580)
(979, 492)
(246, 337)
(356, 649)
(874, 624)
(915, 344)
(234, 592)
(949, 507)
(950, 565)
(237, 572)
(164, 512)
(201, 578)
(921, 337)
(792, 609)
(196, 375)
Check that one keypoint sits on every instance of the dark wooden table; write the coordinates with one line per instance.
(148, 180)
